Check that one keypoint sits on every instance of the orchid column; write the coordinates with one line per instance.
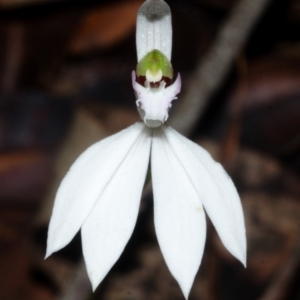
(101, 193)
(154, 69)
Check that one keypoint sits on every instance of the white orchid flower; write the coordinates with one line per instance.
(101, 193)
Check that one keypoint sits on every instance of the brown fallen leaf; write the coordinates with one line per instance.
(24, 175)
(104, 27)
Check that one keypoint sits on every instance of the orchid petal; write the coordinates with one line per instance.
(216, 190)
(154, 28)
(109, 226)
(154, 103)
(178, 214)
(85, 182)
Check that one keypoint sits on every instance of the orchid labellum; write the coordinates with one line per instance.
(101, 193)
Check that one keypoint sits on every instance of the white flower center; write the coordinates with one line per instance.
(154, 103)
(154, 76)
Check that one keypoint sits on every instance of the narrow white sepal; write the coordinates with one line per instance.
(178, 213)
(216, 190)
(154, 28)
(109, 226)
(85, 182)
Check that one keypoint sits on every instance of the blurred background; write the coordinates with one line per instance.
(65, 83)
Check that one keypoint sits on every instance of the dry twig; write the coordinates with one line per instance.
(278, 287)
(214, 67)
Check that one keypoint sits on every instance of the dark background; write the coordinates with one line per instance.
(65, 82)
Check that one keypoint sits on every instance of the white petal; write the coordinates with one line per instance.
(108, 228)
(154, 28)
(154, 103)
(178, 213)
(84, 183)
(217, 191)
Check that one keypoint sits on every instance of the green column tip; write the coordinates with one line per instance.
(154, 66)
